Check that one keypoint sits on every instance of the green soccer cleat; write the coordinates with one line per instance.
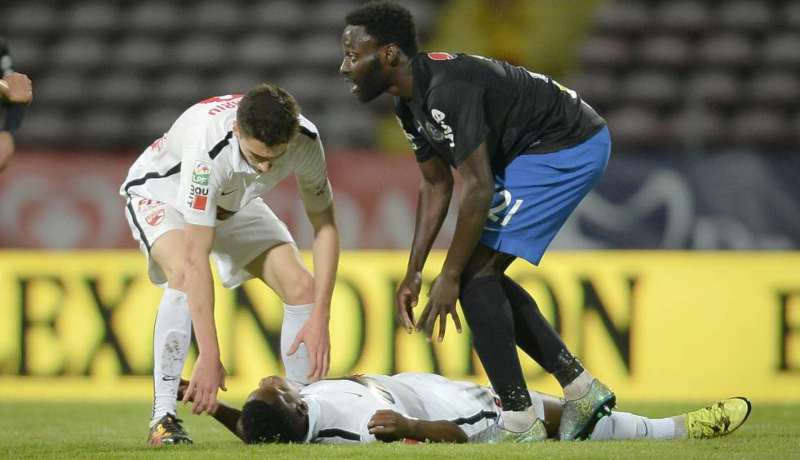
(719, 419)
(168, 430)
(535, 433)
(580, 416)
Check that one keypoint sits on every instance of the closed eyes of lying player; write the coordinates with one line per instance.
(277, 413)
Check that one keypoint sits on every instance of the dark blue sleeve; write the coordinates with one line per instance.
(14, 112)
(6, 65)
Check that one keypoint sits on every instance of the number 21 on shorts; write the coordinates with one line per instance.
(495, 212)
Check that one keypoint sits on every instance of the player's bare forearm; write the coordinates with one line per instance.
(389, 426)
(229, 416)
(435, 192)
(476, 199)
(326, 258)
(6, 149)
(199, 287)
(436, 431)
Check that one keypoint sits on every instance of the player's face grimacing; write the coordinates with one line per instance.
(276, 391)
(257, 154)
(362, 65)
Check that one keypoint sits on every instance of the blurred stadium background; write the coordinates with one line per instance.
(701, 98)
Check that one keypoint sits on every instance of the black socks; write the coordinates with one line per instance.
(489, 315)
(502, 315)
(537, 337)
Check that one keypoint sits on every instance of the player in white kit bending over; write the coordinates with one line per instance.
(196, 192)
(428, 407)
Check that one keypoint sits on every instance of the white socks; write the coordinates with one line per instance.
(519, 421)
(622, 425)
(297, 366)
(577, 388)
(171, 339)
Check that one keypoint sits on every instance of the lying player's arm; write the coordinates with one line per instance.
(389, 426)
(225, 414)
(208, 374)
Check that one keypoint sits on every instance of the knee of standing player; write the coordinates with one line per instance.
(470, 276)
(298, 288)
(176, 277)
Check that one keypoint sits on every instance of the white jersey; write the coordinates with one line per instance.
(339, 410)
(197, 167)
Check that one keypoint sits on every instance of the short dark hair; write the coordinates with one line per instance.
(267, 423)
(387, 22)
(269, 114)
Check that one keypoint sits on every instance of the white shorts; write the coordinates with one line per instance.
(238, 240)
(475, 408)
(472, 407)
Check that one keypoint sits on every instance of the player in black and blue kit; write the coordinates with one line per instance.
(528, 151)
(15, 92)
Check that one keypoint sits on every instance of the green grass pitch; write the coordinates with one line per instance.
(89, 430)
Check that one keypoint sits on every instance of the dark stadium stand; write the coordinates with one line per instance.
(115, 74)
(695, 74)
(685, 74)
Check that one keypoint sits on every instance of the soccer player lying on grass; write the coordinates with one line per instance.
(429, 407)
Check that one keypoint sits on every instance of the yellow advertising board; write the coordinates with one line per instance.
(654, 325)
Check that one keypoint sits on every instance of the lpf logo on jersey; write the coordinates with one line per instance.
(198, 189)
(201, 173)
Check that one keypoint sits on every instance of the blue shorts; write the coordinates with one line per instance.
(536, 193)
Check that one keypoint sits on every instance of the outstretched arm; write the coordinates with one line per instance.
(476, 196)
(435, 191)
(224, 414)
(389, 426)
(208, 374)
(315, 334)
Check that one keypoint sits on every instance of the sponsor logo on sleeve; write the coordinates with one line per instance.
(198, 188)
(445, 133)
(199, 202)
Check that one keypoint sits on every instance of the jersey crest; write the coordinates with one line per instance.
(440, 56)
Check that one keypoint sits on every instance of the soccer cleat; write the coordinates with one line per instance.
(580, 416)
(535, 433)
(718, 419)
(168, 430)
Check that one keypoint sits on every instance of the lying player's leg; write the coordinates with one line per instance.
(718, 419)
